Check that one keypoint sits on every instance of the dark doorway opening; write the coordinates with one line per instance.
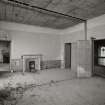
(99, 57)
(67, 55)
(4, 55)
(6, 58)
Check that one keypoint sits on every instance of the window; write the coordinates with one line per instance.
(101, 55)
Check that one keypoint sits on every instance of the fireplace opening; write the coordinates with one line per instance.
(31, 66)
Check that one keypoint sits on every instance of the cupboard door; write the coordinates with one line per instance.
(84, 58)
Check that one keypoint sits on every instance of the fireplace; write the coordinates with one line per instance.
(32, 65)
(31, 62)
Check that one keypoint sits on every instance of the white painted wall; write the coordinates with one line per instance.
(96, 29)
(35, 43)
(49, 42)
(32, 40)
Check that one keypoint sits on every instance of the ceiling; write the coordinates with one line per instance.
(57, 14)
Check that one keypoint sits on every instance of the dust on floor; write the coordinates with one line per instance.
(59, 91)
(42, 77)
(72, 92)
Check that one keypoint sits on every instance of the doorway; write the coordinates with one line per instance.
(67, 55)
(4, 55)
(99, 57)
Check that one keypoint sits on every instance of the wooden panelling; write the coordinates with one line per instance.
(99, 70)
(2, 11)
(16, 64)
(50, 64)
(9, 10)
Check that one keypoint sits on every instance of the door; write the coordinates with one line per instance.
(84, 58)
(67, 55)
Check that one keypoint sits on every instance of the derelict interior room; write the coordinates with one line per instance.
(52, 52)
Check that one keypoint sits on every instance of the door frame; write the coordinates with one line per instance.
(92, 47)
(93, 64)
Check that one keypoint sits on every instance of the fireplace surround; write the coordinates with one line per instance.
(30, 58)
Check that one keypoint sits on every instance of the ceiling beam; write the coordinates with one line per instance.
(43, 9)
